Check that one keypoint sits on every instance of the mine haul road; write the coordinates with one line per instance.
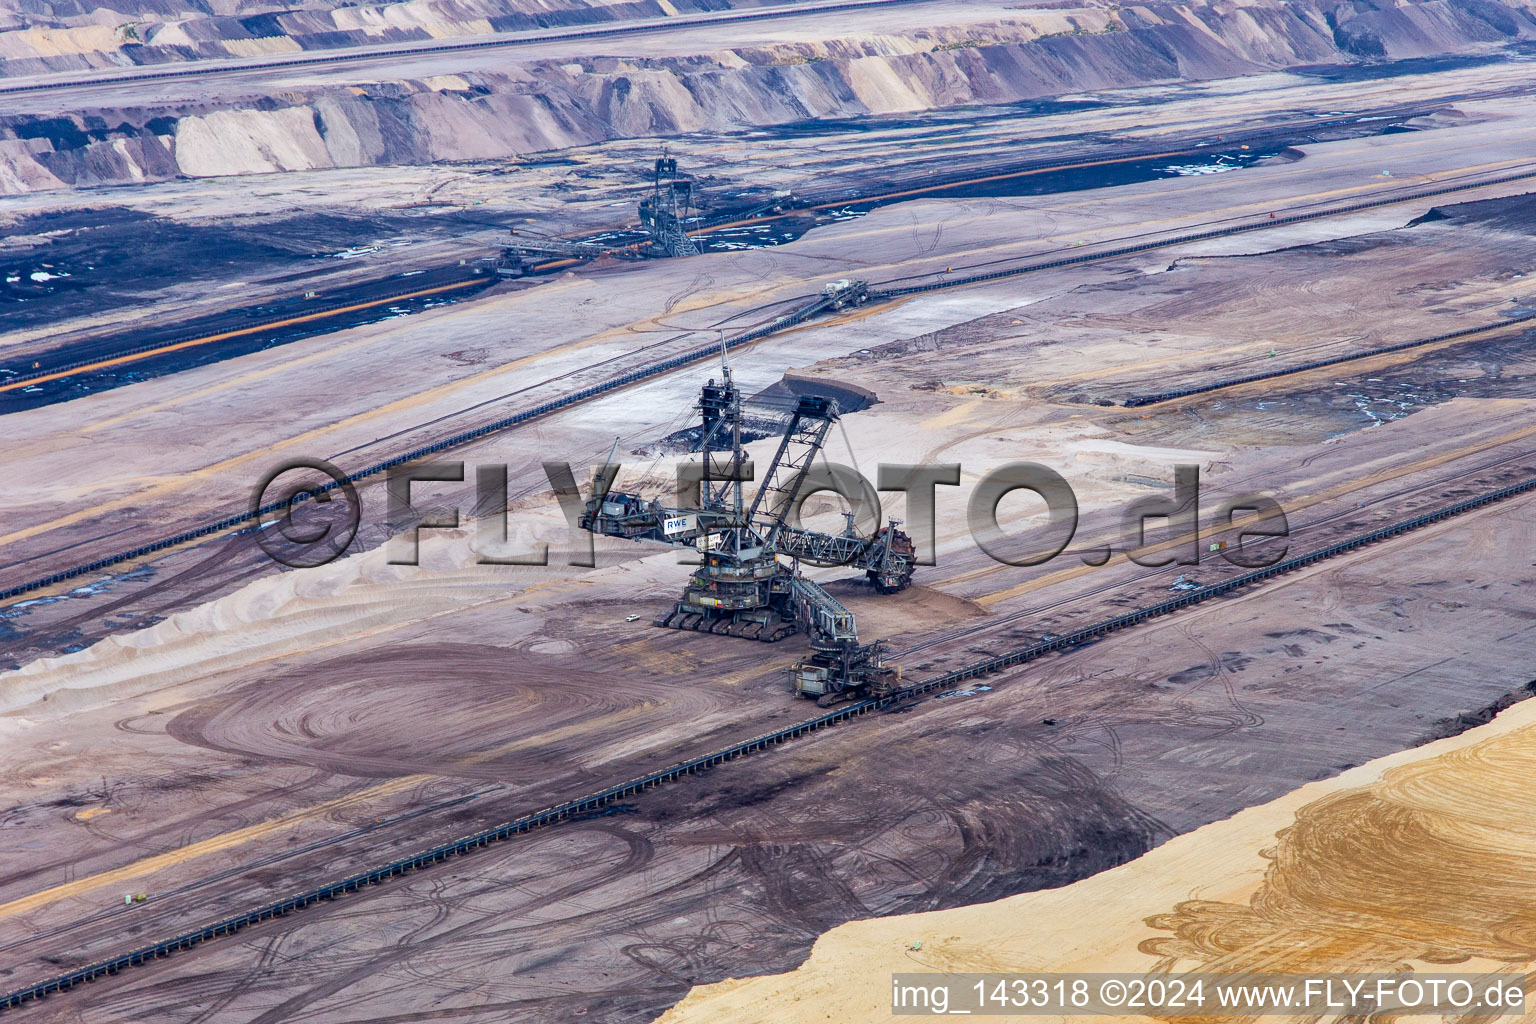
(278, 760)
(664, 357)
(386, 55)
(90, 354)
(188, 910)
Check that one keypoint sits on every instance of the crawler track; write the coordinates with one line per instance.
(595, 802)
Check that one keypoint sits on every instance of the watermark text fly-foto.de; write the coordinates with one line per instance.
(1154, 531)
(1484, 996)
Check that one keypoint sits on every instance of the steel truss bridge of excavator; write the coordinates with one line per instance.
(743, 588)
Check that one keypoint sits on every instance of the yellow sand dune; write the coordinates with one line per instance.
(1422, 859)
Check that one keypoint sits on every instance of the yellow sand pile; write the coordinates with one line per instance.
(1424, 858)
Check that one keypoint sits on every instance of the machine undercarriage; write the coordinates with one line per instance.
(745, 588)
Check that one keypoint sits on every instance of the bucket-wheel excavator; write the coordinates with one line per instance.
(743, 588)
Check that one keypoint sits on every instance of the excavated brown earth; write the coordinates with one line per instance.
(119, 269)
(264, 738)
(435, 107)
(1059, 771)
(424, 371)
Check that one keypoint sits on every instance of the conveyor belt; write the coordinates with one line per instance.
(595, 802)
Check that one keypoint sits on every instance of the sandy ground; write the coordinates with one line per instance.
(1411, 862)
(212, 732)
(415, 217)
(679, 38)
(96, 40)
(901, 58)
(461, 366)
(266, 767)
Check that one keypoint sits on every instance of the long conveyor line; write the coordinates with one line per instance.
(811, 202)
(307, 315)
(782, 323)
(597, 801)
(1318, 364)
(244, 519)
(1199, 236)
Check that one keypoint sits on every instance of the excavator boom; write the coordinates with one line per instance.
(743, 589)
